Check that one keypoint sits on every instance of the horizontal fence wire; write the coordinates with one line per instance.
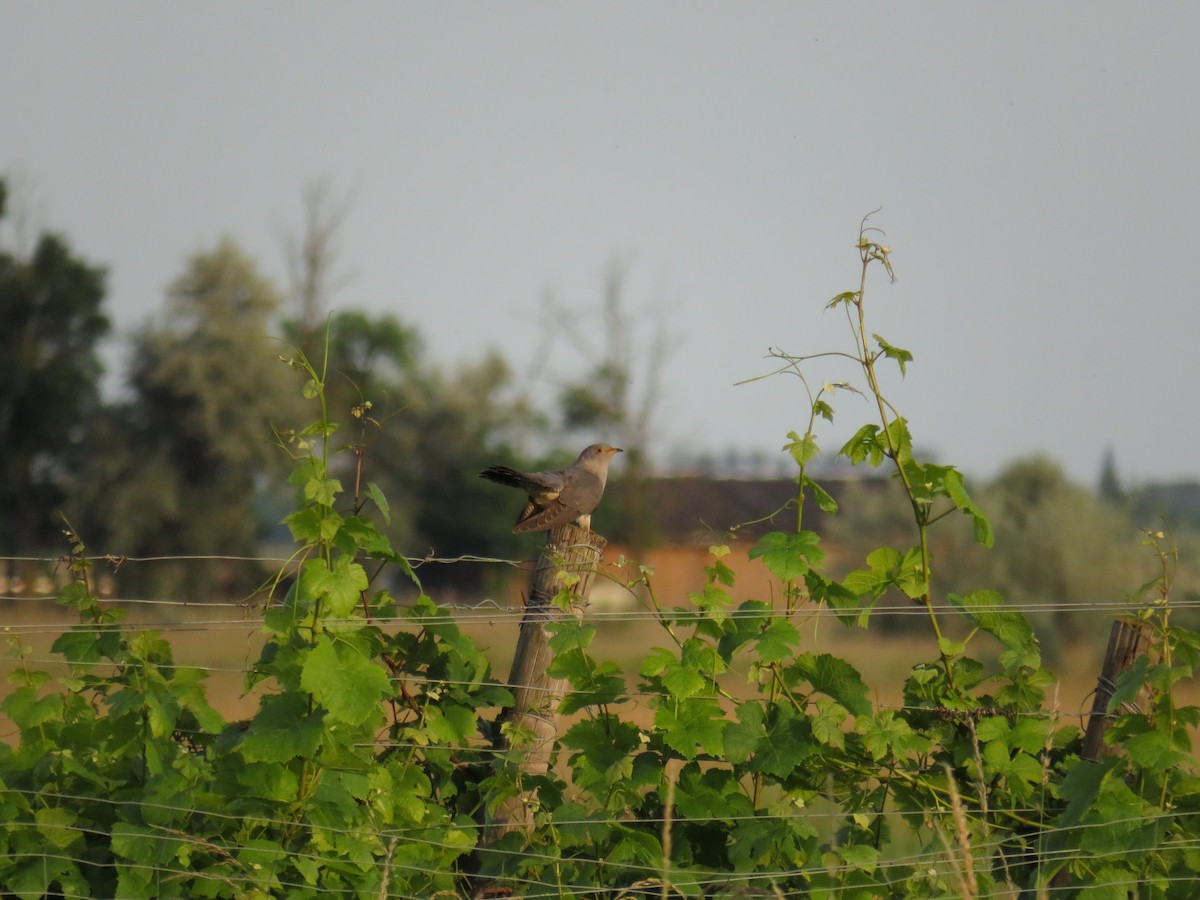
(122, 559)
(489, 609)
(476, 614)
(494, 611)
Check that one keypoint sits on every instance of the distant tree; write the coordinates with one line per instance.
(473, 417)
(1173, 505)
(51, 322)
(313, 262)
(371, 357)
(616, 397)
(1057, 547)
(1109, 487)
(423, 434)
(370, 361)
(196, 435)
(432, 434)
(373, 382)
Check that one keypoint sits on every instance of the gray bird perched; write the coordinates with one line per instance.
(561, 496)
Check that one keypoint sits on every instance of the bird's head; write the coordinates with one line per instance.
(600, 451)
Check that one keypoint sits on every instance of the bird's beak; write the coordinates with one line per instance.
(616, 450)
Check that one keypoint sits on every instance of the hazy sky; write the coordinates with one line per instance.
(1038, 166)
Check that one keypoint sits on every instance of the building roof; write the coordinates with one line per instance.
(698, 509)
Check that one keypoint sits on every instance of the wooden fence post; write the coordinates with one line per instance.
(1126, 642)
(568, 561)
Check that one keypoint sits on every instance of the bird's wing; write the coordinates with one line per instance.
(535, 518)
(581, 491)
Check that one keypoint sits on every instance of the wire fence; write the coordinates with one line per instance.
(249, 615)
(491, 608)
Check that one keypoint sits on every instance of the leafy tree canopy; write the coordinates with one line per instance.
(189, 448)
(50, 307)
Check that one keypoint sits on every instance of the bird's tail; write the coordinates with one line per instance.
(504, 475)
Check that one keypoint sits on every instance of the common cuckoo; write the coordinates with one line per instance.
(561, 496)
